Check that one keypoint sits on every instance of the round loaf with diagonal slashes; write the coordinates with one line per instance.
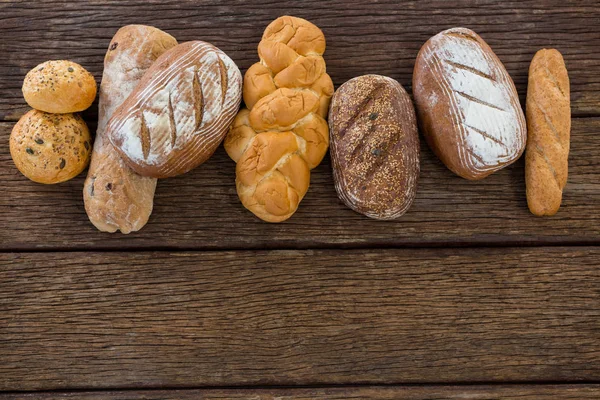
(180, 111)
(467, 104)
(374, 146)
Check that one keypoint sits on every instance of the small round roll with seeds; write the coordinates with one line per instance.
(59, 87)
(50, 148)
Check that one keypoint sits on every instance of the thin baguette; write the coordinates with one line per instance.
(549, 127)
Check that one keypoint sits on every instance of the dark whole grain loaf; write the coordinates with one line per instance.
(374, 146)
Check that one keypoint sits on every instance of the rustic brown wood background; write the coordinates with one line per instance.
(465, 296)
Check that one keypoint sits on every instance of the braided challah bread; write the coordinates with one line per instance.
(282, 134)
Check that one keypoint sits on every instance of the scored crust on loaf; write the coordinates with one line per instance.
(468, 104)
(374, 146)
(180, 112)
(282, 134)
(549, 131)
(115, 197)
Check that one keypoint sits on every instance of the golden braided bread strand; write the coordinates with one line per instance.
(282, 134)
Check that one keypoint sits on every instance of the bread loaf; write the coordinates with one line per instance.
(374, 146)
(50, 148)
(549, 130)
(467, 104)
(115, 197)
(283, 134)
(179, 113)
(59, 86)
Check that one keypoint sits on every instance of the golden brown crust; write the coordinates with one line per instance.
(115, 197)
(283, 134)
(59, 86)
(50, 148)
(549, 130)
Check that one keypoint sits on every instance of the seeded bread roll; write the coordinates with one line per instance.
(467, 104)
(60, 87)
(549, 131)
(50, 148)
(374, 146)
(283, 134)
(115, 197)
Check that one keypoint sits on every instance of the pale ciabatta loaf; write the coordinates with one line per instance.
(283, 135)
(467, 104)
(549, 131)
(179, 113)
(374, 146)
(115, 197)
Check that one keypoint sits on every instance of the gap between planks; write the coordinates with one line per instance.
(507, 391)
(320, 247)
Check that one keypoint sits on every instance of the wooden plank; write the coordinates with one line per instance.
(201, 210)
(362, 37)
(504, 392)
(142, 320)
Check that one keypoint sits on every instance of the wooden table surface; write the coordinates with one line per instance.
(466, 296)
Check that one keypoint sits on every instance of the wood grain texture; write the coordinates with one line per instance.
(362, 37)
(166, 320)
(201, 210)
(123, 320)
(500, 392)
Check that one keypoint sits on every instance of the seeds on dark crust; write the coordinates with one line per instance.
(373, 116)
(353, 119)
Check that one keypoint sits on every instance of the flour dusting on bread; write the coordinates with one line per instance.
(180, 112)
(481, 103)
(115, 197)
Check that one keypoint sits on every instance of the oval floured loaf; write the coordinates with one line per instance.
(374, 146)
(467, 104)
(180, 111)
